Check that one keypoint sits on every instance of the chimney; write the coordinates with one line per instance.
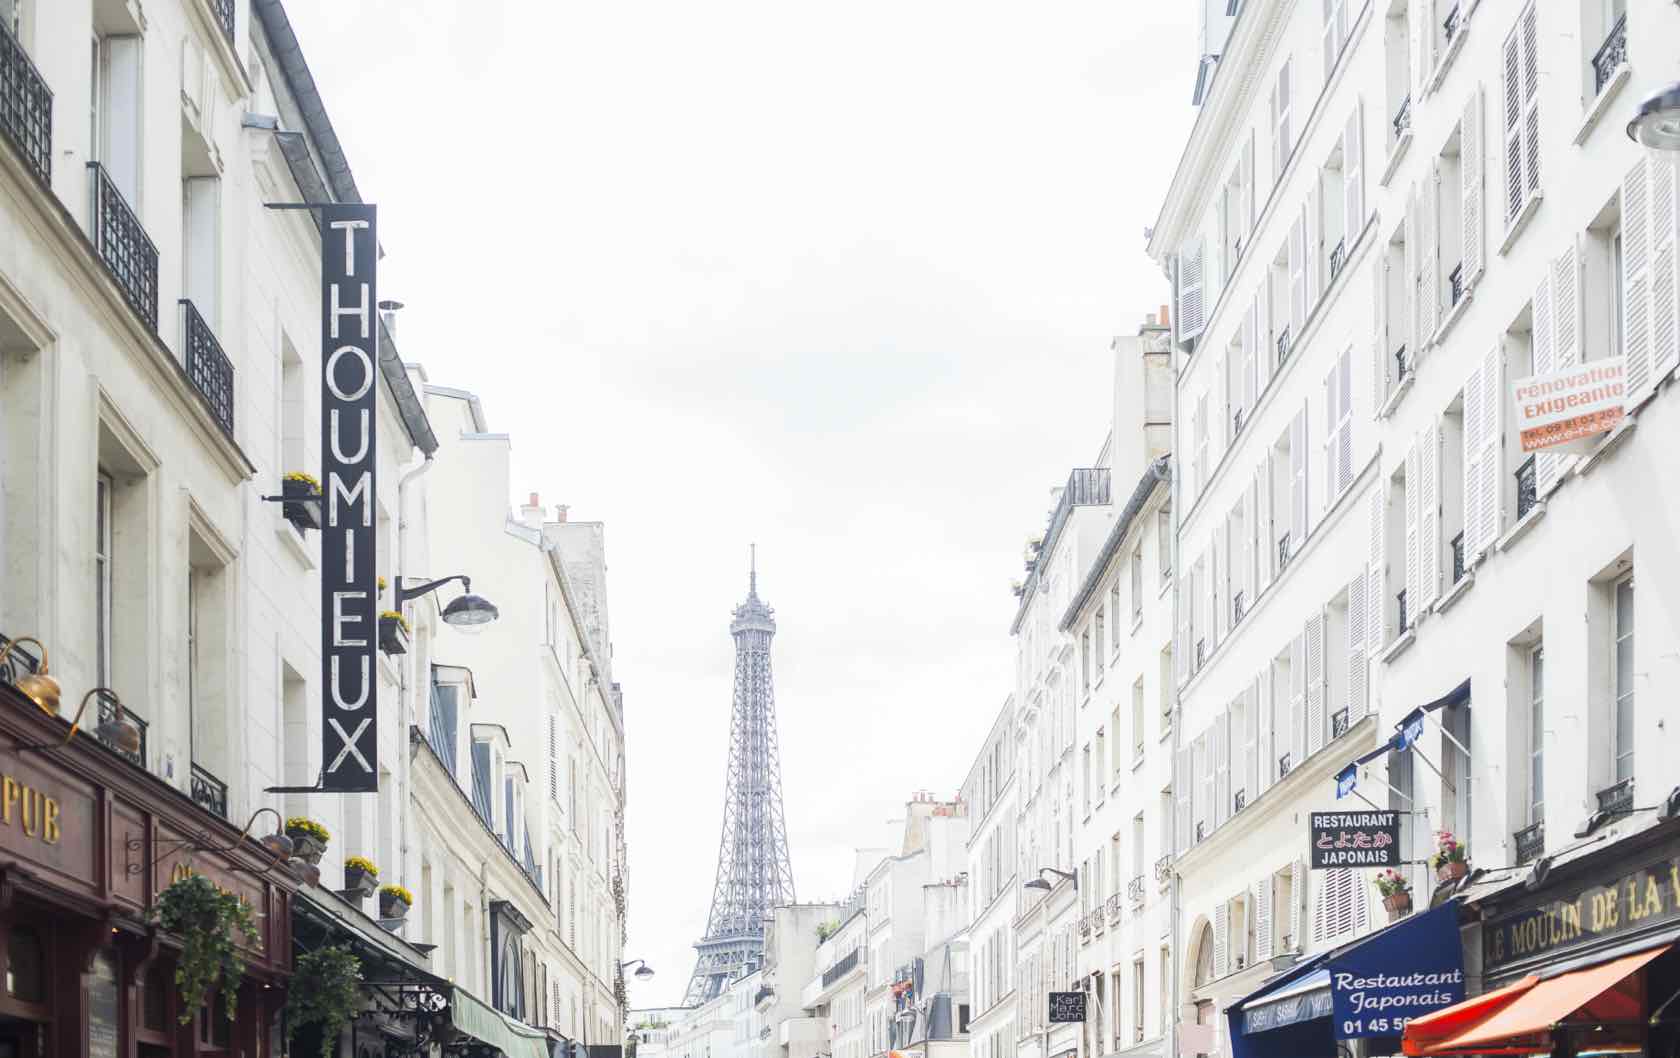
(560, 510)
(1162, 318)
(388, 314)
(532, 513)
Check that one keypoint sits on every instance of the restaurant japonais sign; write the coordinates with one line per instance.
(349, 376)
(1355, 839)
(1634, 902)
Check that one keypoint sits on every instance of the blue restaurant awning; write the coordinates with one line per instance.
(1369, 988)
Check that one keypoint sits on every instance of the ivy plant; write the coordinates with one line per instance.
(324, 991)
(211, 923)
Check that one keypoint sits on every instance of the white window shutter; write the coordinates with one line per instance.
(1251, 742)
(1376, 595)
(1317, 723)
(1414, 494)
(1297, 278)
(1353, 176)
(1277, 141)
(1265, 738)
(1221, 750)
(1357, 676)
(1204, 780)
(1531, 99)
(1204, 469)
(1285, 116)
(1327, 39)
(1250, 360)
(1191, 292)
(1222, 409)
(1298, 887)
(1470, 185)
(1265, 541)
(1636, 281)
(1332, 419)
(1249, 583)
(1298, 481)
(1379, 337)
(1423, 33)
(1263, 349)
(1665, 271)
(1315, 245)
(1221, 938)
(1181, 797)
(1409, 279)
(1490, 507)
(1185, 594)
(1429, 254)
(1219, 587)
(1263, 919)
(1297, 701)
(1548, 466)
(1472, 463)
(1510, 75)
(1248, 187)
(1344, 429)
(1429, 518)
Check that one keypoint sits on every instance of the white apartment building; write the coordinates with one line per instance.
(836, 991)
(994, 884)
(791, 938)
(1120, 618)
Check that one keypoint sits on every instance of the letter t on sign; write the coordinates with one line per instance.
(349, 400)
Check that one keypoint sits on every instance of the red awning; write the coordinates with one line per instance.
(1519, 1018)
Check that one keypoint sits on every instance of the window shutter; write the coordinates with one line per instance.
(1263, 919)
(1470, 185)
(1298, 481)
(1414, 494)
(1203, 468)
(1356, 611)
(1220, 747)
(1492, 463)
(1219, 567)
(1511, 84)
(1376, 593)
(1429, 253)
(1250, 361)
(1251, 742)
(1344, 429)
(554, 757)
(1190, 290)
(1548, 466)
(1184, 595)
(1409, 280)
(1297, 278)
(1221, 938)
(1636, 281)
(1263, 351)
(1472, 462)
(1423, 34)
(1665, 271)
(1531, 100)
(1297, 742)
(1277, 140)
(1285, 131)
(1332, 419)
(1297, 900)
(1204, 780)
(1219, 436)
(1249, 584)
(1379, 337)
(1316, 721)
(1353, 176)
(1315, 246)
(1181, 798)
(1429, 518)
(1327, 39)
(1265, 739)
(1248, 192)
(1261, 526)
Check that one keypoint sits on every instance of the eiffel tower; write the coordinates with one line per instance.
(753, 872)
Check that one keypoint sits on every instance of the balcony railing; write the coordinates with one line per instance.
(1611, 55)
(1455, 283)
(1285, 763)
(124, 246)
(1616, 800)
(1530, 842)
(1237, 419)
(1283, 552)
(1458, 557)
(1201, 829)
(1238, 608)
(1239, 801)
(1163, 870)
(1338, 723)
(223, 10)
(1400, 600)
(209, 792)
(1115, 904)
(1451, 23)
(1338, 258)
(1402, 119)
(208, 367)
(1526, 497)
(845, 965)
(1085, 927)
(25, 107)
(1134, 890)
(18, 663)
(1201, 654)
(1402, 366)
(1283, 346)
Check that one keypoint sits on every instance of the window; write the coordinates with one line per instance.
(1455, 768)
(1401, 781)
(1397, 48)
(1137, 578)
(1165, 985)
(1137, 720)
(1394, 347)
(1085, 662)
(1099, 759)
(1114, 726)
(1166, 685)
(1199, 431)
(1098, 638)
(1623, 670)
(1452, 493)
(1114, 610)
(1085, 779)
(1604, 45)
(1536, 733)
(1335, 32)
(102, 579)
(1338, 428)
(1283, 139)
(26, 965)
(1164, 543)
(1521, 124)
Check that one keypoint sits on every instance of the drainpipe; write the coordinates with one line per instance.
(1175, 894)
(404, 762)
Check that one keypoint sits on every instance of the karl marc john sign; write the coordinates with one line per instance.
(349, 353)
(1355, 839)
(1636, 901)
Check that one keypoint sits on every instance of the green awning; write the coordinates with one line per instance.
(492, 1027)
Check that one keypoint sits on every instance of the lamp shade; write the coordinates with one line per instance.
(470, 611)
(1657, 122)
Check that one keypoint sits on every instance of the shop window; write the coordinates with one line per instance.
(26, 965)
(215, 1031)
(154, 999)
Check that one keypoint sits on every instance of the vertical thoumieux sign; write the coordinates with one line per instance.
(349, 356)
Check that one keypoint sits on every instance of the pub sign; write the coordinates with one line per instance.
(1355, 839)
(1632, 903)
(349, 376)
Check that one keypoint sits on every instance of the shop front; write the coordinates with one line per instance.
(88, 841)
(1577, 959)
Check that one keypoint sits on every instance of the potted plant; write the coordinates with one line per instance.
(393, 632)
(360, 876)
(302, 506)
(324, 992)
(1396, 893)
(826, 930)
(211, 924)
(309, 839)
(1449, 858)
(394, 901)
(381, 581)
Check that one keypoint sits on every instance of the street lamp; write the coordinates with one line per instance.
(1657, 122)
(643, 970)
(468, 612)
(1038, 881)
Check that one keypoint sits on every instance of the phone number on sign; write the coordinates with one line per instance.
(1360, 1026)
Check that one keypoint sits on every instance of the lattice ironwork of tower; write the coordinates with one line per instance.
(753, 871)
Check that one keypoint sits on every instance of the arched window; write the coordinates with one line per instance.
(26, 966)
(513, 991)
(1204, 955)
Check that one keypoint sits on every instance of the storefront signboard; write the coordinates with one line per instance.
(1633, 903)
(1066, 1007)
(349, 597)
(1402, 973)
(1355, 839)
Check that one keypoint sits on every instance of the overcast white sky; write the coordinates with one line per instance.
(835, 277)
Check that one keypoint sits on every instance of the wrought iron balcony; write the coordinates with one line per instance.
(1085, 928)
(223, 10)
(1338, 723)
(1338, 258)
(1163, 870)
(1201, 829)
(18, 663)
(1137, 1034)
(209, 792)
(1400, 599)
(1284, 552)
(1283, 346)
(1098, 922)
(124, 246)
(1455, 282)
(843, 966)
(1115, 904)
(1402, 120)
(1239, 801)
(1526, 496)
(1285, 762)
(1530, 842)
(1451, 23)
(208, 367)
(1458, 557)
(1237, 419)
(1238, 608)
(1402, 366)
(25, 107)
(1616, 800)
(1201, 654)
(1134, 890)
(1611, 55)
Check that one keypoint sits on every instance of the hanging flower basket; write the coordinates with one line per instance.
(393, 632)
(360, 877)
(299, 509)
(1450, 859)
(309, 839)
(325, 991)
(211, 923)
(394, 901)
